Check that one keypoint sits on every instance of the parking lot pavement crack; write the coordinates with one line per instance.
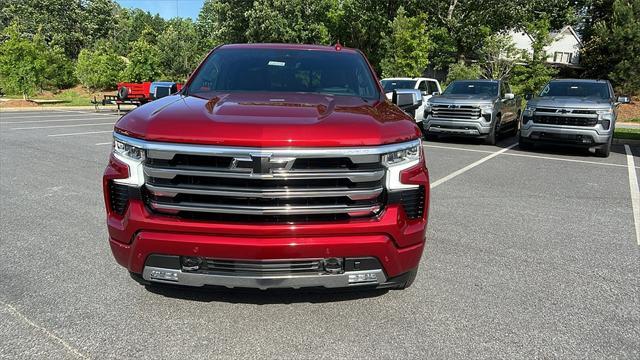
(45, 332)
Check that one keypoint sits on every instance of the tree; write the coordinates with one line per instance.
(222, 21)
(59, 22)
(498, 56)
(28, 65)
(530, 78)
(288, 21)
(180, 53)
(613, 50)
(99, 69)
(462, 71)
(407, 47)
(144, 62)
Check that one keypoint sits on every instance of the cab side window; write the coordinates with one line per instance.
(433, 87)
(422, 86)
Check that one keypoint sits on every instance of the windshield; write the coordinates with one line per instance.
(390, 85)
(472, 88)
(597, 90)
(284, 70)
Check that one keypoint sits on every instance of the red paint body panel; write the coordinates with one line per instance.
(260, 119)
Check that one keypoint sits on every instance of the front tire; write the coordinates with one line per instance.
(524, 143)
(604, 150)
(492, 138)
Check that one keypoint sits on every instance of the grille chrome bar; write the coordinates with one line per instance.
(355, 176)
(266, 210)
(353, 194)
(462, 112)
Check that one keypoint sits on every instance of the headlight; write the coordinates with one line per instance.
(402, 156)
(400, 160)
(528, 111)
(133, 157)
(605, 114)
(127, 150)
(487, 108)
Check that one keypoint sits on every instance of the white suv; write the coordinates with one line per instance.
(426, 86)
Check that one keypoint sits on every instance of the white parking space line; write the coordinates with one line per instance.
(530, 156)
(60, 126)
(47, 121)
(81, 133)
(635, 192)
(105, 143)
(471, 166)
(84, 112)
(50, 115)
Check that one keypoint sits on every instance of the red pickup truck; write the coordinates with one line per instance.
(276, 166)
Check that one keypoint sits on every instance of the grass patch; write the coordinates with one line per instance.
(626, 133)
(73, 98)
(634, 120)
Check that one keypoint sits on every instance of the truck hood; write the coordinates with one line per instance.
(570, 102)
(269, 120)
(462, 99)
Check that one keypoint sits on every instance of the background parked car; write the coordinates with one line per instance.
(479, 108)
(426, 86)
(572, 112)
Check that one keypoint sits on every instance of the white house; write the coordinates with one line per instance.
(564, 49)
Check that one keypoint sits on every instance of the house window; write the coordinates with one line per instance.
(562, 57)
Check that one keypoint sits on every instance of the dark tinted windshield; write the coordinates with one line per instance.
(577, 89)
(390, 85)
(472, 88)
(284, 70)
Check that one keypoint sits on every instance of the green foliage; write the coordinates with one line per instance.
(407, 47)
(180, 53)
(99, 69)
(530, 78)
(613, 51)
(462, 71)
(288, 21)
(28, 66)
(498, 56)
(144, 62)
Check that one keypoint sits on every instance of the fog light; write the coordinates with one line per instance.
(166, 275)
(332, 265)
(606, 124)
(364, 277)
(191, 263)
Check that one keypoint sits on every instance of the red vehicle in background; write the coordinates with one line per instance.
(140, 93)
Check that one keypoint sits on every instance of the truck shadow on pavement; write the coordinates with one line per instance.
(263, 297)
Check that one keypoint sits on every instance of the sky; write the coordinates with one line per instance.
(166, 8)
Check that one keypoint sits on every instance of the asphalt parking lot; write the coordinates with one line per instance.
(529, 255)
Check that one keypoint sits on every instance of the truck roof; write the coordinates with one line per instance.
(479, 80)
(288, 46)
(408, 78)
(580, 80)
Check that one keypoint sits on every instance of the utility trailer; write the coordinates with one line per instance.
(138, 93)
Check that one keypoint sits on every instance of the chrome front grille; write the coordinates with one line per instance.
(262, 185)
(455, 111)
(570, 117)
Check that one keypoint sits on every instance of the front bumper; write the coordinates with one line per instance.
(458, 127)
(391, 237)
(565, 134)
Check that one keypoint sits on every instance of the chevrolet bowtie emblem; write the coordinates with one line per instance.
(261, 164)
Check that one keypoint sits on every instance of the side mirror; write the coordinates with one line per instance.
(509, 96)
(436, 93)
(623, 100)
(407, 99)
(528, 96)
